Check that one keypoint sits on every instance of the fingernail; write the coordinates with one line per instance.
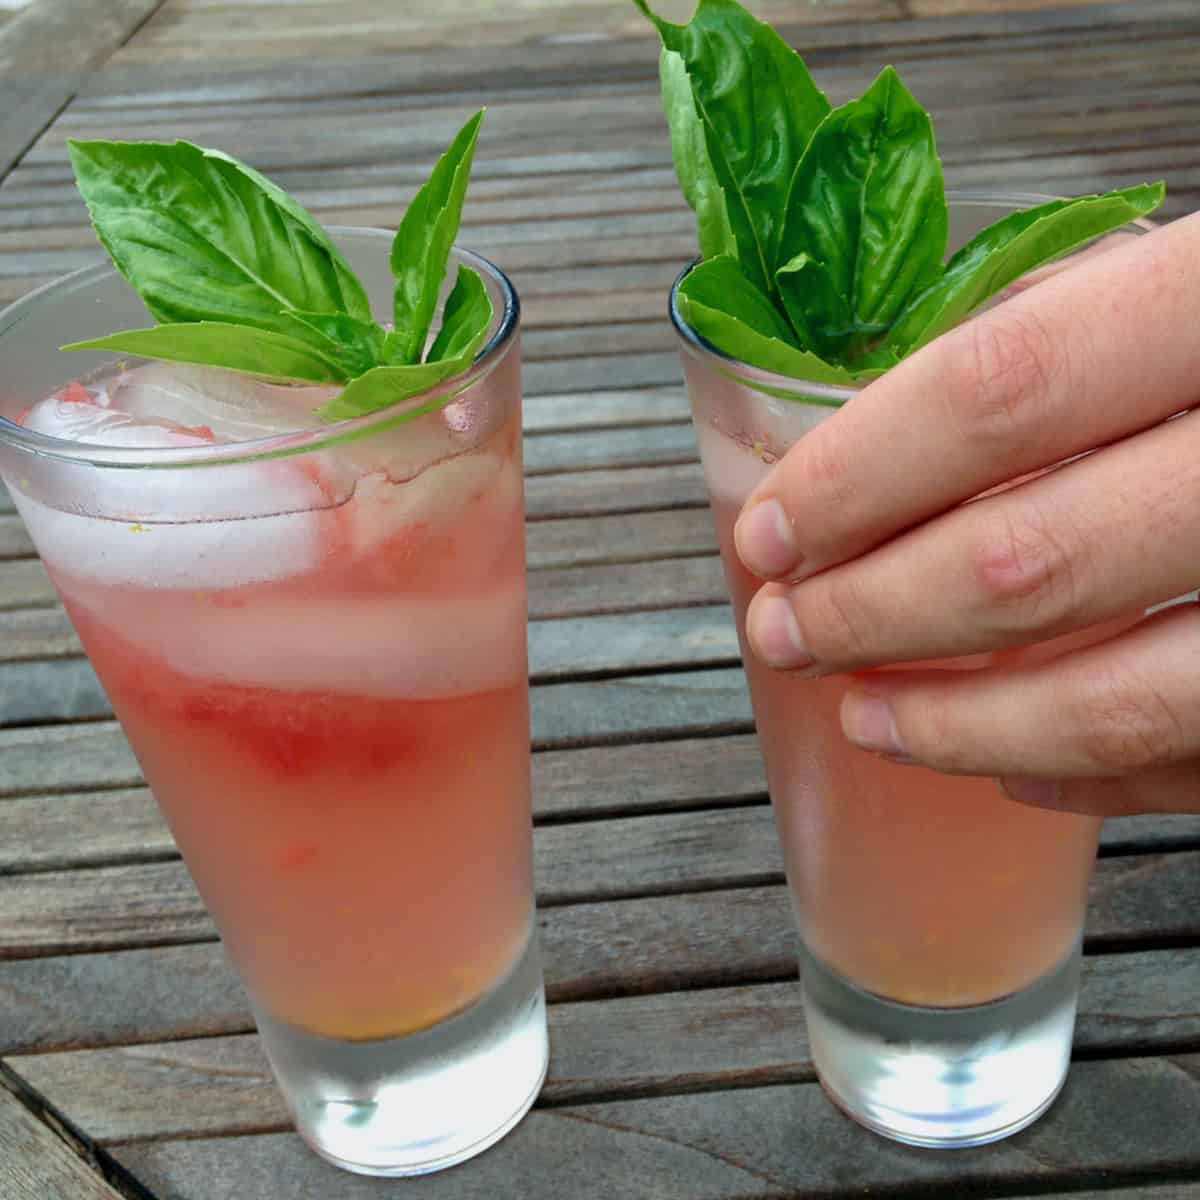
(765, 540)
(1043, 793)
(772, 629)
(868, 722)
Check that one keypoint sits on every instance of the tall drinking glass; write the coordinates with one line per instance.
(941, 922)
(314, 638)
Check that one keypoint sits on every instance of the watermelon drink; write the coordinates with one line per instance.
(941, 922)
(314, 638)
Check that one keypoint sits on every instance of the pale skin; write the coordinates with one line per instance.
(873, 557)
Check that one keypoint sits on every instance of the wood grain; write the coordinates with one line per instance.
(680, 1065)
(1133, 901)
(573, 646)
(47, 831)
(46, 51)
(776, 1141)
(36, 1164)
(671, 704)
(607, 1049)
(564, 542)
(563, 592)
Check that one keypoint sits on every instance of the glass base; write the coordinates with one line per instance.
(415, 1104)
(941, 1077)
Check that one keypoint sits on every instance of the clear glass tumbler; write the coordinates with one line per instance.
(941, 922)
(315, 642)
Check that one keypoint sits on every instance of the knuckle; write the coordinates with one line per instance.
(1126, 725)
(932, 729)
(1029, 566)
(1002, 369)
(825, 467)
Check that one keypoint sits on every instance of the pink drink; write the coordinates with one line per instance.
(941, 922)
(313, 634)
(339, 738)
(928, 889)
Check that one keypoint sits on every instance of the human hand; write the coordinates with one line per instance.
(875, 558)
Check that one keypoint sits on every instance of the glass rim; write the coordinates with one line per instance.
(830, 394)
(276, 445)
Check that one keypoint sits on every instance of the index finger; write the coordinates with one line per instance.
(1085, 357)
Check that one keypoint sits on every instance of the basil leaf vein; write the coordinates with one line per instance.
(201, 237)
(258, 352)
(1010, 248)
(759, 107)
(868, 204)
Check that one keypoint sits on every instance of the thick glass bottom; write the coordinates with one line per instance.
(941, 1077)
(415, 1104)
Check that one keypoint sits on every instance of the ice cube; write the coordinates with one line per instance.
(200, 526)
(387, 645)
(198, 554)
(383, 507)
(235, 407)
(78, 415)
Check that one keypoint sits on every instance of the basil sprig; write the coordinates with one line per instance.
(823, 230)
(240, 276)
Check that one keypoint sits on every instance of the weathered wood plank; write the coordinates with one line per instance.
(66, 758)
(612, 644)
(550, 543)
(628, 538)
(96, 828)
(1151, 898)
(699, 940)
(604, 409)
(33, 633)
(625, 587)
(547, 62)
(657, 444)
(572, 646)
(629, 489)
(46, 51)
(562, 592)
(523, 128)
(58, 831)
(14, 540)
(602, 780)
(659, 853)
(50, 690)
(331, 29)
(81, 829)
(608, 1049)
(762, 1142)
(146, 902)
(590, 951)
(639, 708)
(164, 992)
(36, 1163)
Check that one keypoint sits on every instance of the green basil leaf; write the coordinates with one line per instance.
(203, 238)
(382, 387)
(759, 107)
(734, 337)
(258, 352)
(698, 181)
(423, 241)
(465, 318)
(352, 343)
(1008, 249)
(721, 284)
(868, 204)
(813, 302)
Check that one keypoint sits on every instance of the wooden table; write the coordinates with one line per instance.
(680, 1067)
